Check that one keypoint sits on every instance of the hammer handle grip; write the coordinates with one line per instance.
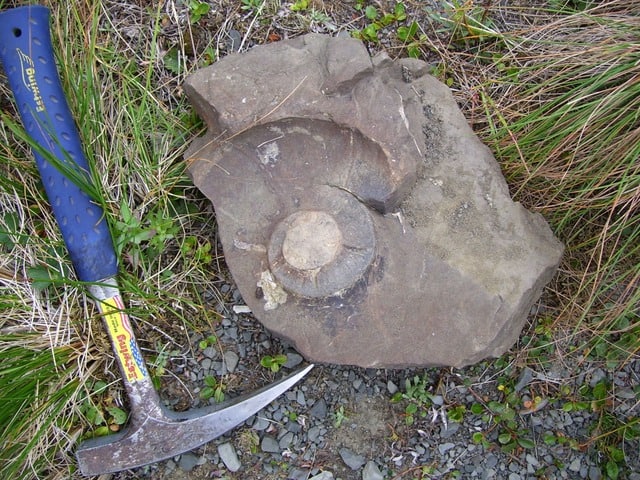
(29, 63)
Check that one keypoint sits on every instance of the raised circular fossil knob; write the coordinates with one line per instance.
(324, 250)
(312, 240)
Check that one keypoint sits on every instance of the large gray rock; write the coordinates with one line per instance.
(360, 216)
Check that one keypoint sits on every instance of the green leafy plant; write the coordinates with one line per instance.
(466, 23)
(510, 433)
(410, 36)
(100, 413)
(417, 397)
(197, 10)
(300, 5)
(252, 5)
(456, 414)
(174, 61)
(207, 342)
(212, 389)
(339, 416)
(196, 251)
(142, 236)
(273, 363)
(379, 20)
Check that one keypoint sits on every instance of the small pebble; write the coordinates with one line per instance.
(187, 462)
(231, 359)
(269, 445)
(293, 360)
(260, 424)
(371, 472)
(319, 409)
(313, 434)
(445, 447)
(229, 457)
(286, 440)
(352, 460)
(323, 476)
(574, 466)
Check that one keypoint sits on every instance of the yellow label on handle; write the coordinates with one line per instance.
(124, 342)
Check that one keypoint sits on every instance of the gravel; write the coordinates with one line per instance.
(338, 415)
(340, 422)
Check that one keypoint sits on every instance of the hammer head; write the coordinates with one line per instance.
(156, 433)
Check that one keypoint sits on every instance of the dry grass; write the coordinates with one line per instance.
(556, 94)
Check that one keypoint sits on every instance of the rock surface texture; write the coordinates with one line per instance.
(360, 216)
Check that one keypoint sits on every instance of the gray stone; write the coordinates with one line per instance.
(491, 461)
(286, 440)
(326, 475)
(353, 193)
(352, 460)
(260, 423)
(229, 457)
(269, 445)
(574, 466)
(319, 409)
(313, 434)
(595, 473)
(187, 462)
(445, 447)
(293, 360)
(298, 474)
(210, 352)
(231, 360)
(371, 472)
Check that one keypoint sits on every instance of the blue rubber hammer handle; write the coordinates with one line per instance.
(27, 56)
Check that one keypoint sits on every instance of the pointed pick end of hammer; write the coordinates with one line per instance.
(149, 439)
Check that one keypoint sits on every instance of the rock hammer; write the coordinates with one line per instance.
(153, 432)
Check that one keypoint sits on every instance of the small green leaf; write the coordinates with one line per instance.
(99, 387)
(478, 437)
(7, 236)
(600, 390)
(397, 397)
(477, 409)
(613, 471)
(371, 12)
(387, 19)
(411, 409)
(218, 394)
(206, 393)
(526, 443)
(101, 431)
(94, 415)
(400, 12)
(504, 438)
(172, 62)
(549, 439)
(210, 381)
(509, 447)
(119, 415)
(370, 32)
(40, 277)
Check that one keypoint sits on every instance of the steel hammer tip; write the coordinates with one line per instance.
(161, 434)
